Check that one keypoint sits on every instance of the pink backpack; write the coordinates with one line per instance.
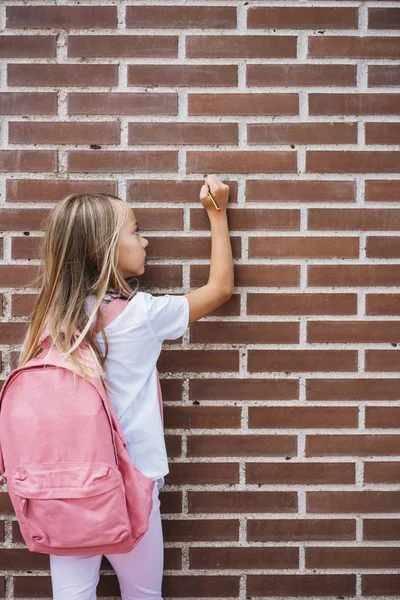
(73, 486)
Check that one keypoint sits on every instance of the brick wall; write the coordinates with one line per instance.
(282, 412)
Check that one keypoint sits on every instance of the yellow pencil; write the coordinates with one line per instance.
(213, 201)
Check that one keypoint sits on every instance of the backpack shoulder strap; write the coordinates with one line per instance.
(111, 311)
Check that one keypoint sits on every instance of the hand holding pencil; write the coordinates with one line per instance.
(214, 195)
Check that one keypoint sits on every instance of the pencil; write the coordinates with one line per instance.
(213, 201)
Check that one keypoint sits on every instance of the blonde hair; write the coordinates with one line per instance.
(79, 254)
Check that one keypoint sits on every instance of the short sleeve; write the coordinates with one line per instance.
(168, 315)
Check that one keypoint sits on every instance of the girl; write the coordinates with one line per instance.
(92, 249)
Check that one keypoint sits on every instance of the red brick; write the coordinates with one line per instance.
(352, 502)
(21, 559)
(22, 304)
(303, 417)
(244, 558)
(301, 585)
(32, 103)
(89, 161)
(297, 473)
(241, 46)
(382, 190)
(231, 308)
(14, 360)
(300, 191)
(197, 361)
(25, 247)
(202, 473)
(12, 333)
(183, 75)
(241, 502)
(383, 18)
(62, 75)
(123, 46)
(352, 445)
(188, 586)
(353, 275)
(382, 416)
(22, 132)
(44, 190)
(381, 529)
(27, 46)
(300, 76)
(201, 530)
(347, 558)
(243, 389)
(354, 104)
(357, 332)
(352, 389)
(31, 17)
(171, 502)
(40, 585)
(171, 389)
(387, 75)
(301, 304)
(302, 360)
(241, 161)
(383, 247)
(171, 190)
(150, 219)
(181, 17)
(348, 219)
(292, 17)
(122, 103)
(353, 47)
(186, 247)
(162, 276)
(173, 559)
(302, 247)
(352, 162)
(382, 360)
(383, 304)
(381, 472)
(302, 133)
(5, 504)
(243, 104)
(381, 585)
(236, 332)
(183, 133)
(243, 219)
(252, 275)
(382, 133)
(35, 161)
(2, 585)
(278, 530)
(241, 445)
(202, 417)
(174, 445)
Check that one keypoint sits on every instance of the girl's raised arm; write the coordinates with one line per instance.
(220, 283)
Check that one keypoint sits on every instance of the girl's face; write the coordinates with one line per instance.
(131, 248)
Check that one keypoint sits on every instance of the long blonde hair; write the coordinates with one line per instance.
(79, 254)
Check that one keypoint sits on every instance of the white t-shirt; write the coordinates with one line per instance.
(134, 344)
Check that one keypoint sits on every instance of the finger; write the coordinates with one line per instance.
(204, 191)
(213, 181)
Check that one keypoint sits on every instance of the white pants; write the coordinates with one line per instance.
(139, 571)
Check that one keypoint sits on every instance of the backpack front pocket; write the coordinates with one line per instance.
(67, 505)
